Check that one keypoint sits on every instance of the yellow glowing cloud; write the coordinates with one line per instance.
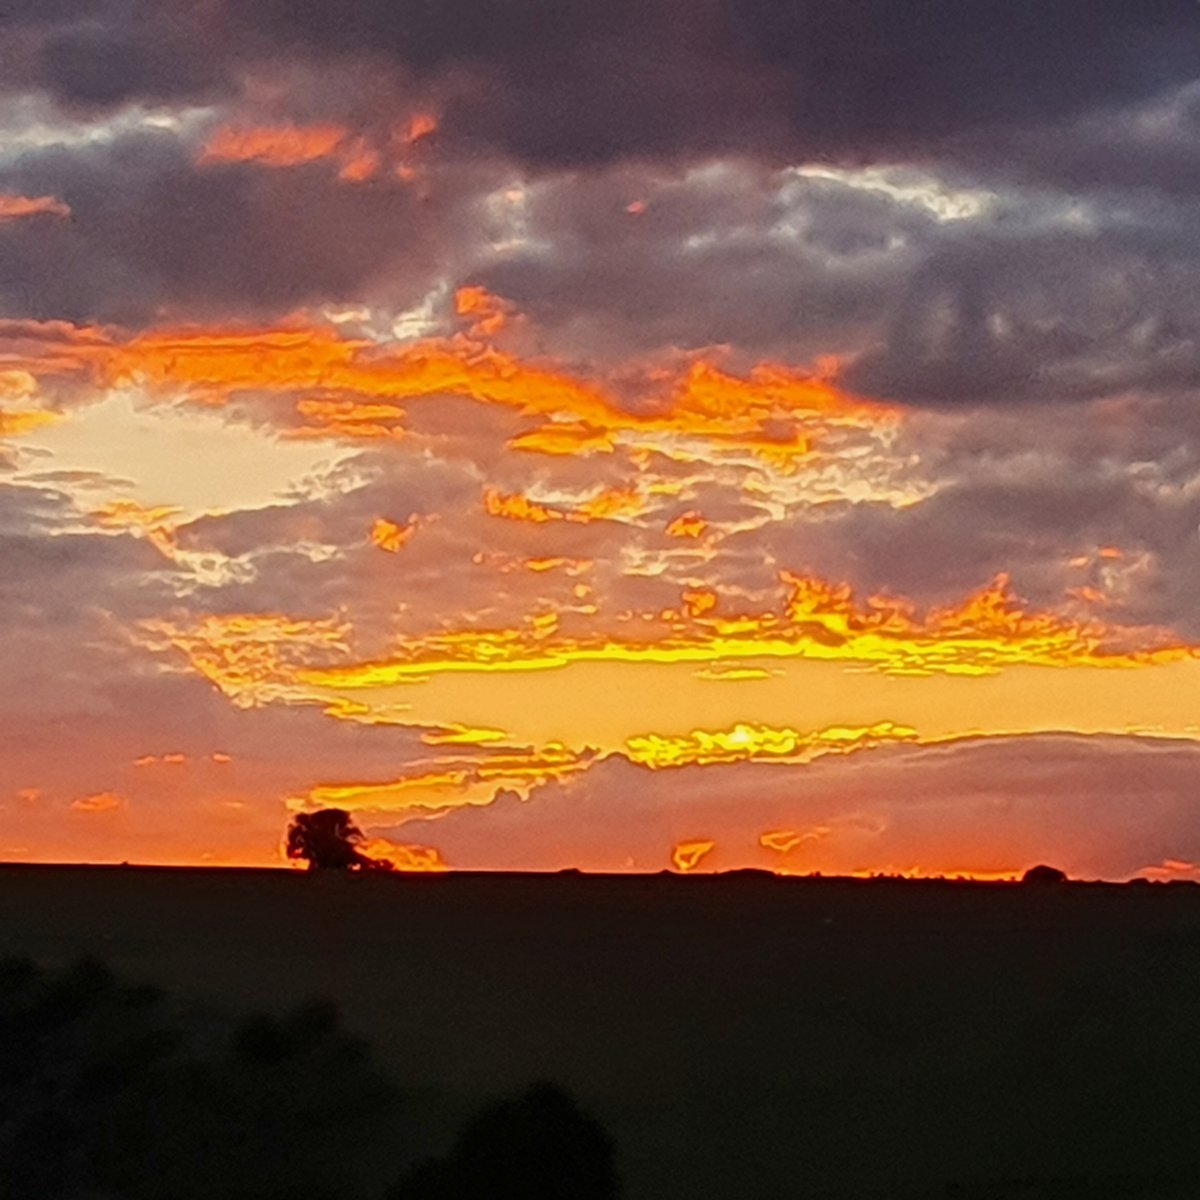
(607, 504)
(687, 855)
(688, 525)
(462, 735)
(14, 423)
(403, 857)
(389, 536)
(990, 630)
(745, 741)
(452, 783)
(783, 841)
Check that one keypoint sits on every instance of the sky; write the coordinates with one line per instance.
(639, 436)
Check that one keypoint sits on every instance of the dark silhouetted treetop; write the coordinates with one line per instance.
(1044, 874)
(106, 1090)
(329, 840)
(535, 1146)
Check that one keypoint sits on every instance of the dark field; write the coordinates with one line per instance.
(740, 1037)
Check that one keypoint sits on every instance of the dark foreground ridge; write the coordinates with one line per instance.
(738, 1036)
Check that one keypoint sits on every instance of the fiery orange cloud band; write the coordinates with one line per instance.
(350, 387)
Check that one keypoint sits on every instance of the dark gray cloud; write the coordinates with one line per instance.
(578, 82)
(99, 54)
(1101, 308)
(772, 265)
(560, 82)
(152, 234)
(92, 66)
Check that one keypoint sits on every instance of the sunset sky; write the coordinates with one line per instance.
(623, 436)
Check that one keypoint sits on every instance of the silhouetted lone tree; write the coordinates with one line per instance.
(535, 1146)
(1044, 874)
(329, 840)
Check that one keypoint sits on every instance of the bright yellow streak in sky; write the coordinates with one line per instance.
(603, 704)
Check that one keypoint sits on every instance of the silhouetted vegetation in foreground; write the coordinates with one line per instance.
(109, 1091)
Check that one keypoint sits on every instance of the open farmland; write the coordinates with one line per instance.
(739, 1036)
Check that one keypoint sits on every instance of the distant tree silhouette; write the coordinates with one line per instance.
(535, 1146)
(329, 840)
(1044, 874)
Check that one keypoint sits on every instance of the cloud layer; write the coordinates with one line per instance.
(452, 398)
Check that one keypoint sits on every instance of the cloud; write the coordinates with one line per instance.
(100, 802)
(1062, 315)
(570, 83)
(154, 233)
(93, 65)
(1095, 806)
(17, 208)
(630, 331)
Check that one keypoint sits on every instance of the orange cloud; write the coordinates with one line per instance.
(360, 162)
(358, 388)
(489, 314)
(98, 803)
(272, 146)
(420, 125)
(17, 208)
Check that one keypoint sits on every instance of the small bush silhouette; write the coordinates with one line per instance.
(535, 1146)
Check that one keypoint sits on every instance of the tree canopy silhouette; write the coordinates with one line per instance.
(329, 840)
(1044, 874)
(536, 1146)
(109, 1090)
